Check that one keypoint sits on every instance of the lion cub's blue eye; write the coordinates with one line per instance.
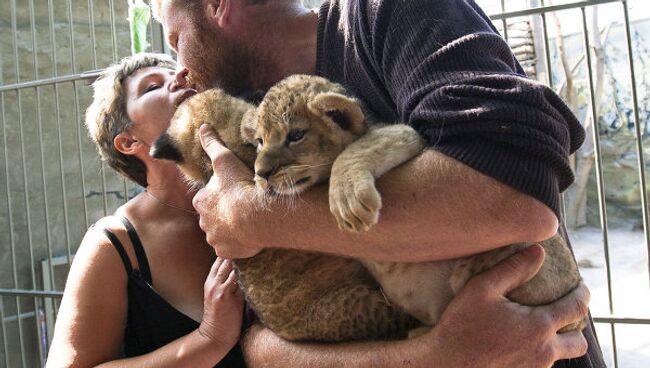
(295, 135)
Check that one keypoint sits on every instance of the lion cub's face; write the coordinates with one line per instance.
(181, 143)
(301, 126)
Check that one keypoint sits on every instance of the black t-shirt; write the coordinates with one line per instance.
(441, 67)
(151, 321)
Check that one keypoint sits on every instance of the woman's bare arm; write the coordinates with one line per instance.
(92, 317)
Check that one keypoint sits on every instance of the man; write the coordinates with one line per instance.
(499, 160)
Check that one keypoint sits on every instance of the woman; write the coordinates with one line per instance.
(144, 288)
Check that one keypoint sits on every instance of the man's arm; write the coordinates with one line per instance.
(454, 79)
(434, 208)
(499, 334)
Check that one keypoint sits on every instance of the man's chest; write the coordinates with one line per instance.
(351, 58)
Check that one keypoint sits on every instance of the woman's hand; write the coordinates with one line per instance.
(223, 304)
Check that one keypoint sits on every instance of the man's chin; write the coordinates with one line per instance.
(201, 85)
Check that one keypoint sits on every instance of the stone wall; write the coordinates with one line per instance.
(51, 179)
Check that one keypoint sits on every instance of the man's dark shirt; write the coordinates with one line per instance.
(440, 66)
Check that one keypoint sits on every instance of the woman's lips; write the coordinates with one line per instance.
(185, 95)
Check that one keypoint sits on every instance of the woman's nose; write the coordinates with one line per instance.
(180, 79)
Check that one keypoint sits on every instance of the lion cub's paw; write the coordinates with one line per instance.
(354, 201)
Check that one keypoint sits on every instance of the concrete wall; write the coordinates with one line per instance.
(45, 154)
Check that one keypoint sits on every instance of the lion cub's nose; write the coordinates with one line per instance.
(264, 173)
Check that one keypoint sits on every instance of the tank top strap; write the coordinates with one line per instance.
(143, 263)
(117, 244)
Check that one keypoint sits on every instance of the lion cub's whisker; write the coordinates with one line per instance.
(298, 167)
(284, 296)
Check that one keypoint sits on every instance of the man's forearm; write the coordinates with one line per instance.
(479, 328)
(434, 208)
(262, 348)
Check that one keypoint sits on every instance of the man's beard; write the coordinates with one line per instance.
(221, 62)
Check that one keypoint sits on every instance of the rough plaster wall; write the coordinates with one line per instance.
(30, 131)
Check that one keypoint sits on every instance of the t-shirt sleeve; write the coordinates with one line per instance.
(456, 81)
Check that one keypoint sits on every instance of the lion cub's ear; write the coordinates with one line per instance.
(339, 110)
(249, 125)
(165, 148)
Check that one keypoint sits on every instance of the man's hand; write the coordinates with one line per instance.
(226, 200)
(484, 329)
(480, 328)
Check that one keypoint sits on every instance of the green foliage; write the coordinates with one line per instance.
(139, 17)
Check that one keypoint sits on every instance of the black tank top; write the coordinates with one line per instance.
(151, 321)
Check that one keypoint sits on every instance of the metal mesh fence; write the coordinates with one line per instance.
(54, 186)
(594, 54)
(53, 182)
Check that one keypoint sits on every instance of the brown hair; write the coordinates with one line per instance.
(106, 117)
(192, 5)
(158, 5)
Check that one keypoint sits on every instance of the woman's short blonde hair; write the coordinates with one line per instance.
(106, 117)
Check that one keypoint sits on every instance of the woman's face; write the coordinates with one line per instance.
(152, 96)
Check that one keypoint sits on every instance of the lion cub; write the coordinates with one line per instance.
(299, 295)
(307, 127)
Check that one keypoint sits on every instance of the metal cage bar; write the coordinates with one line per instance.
(23, 91)
(551, 8)
(14, 29)
(4, 331)
(111, 12)
(66, 225)
(40, 138)
(10, 218)
(73, 61)
(89, 75)
(599, 175)
(93, 39)
(37, 89)
(31, 293)
(81, 166)
(637, 131)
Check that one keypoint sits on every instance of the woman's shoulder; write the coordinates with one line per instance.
(99, 252)
(111, 223)
(94, 299)
(96, 238)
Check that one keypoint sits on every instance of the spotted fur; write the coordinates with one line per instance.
(338, 142)
(299, 295)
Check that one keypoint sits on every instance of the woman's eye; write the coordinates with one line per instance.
(151, 87)
(295, 135)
